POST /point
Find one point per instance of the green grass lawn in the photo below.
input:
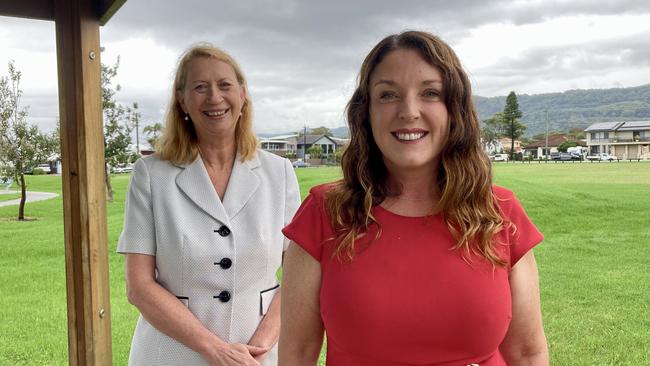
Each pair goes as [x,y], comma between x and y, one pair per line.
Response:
[593,265]
[8,196]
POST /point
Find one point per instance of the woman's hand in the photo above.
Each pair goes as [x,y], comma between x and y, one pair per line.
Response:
[170,316]
[233,355]
[258,353]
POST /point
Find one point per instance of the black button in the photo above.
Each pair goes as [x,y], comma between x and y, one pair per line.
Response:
[225,263]
[224,296]
[223,231]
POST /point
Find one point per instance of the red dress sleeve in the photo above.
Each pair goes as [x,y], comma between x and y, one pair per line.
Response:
[310,227]
[523,235]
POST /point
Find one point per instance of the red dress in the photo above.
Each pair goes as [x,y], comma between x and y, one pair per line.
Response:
[406,298]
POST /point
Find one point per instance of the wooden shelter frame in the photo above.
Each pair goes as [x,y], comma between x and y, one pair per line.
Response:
[77,25]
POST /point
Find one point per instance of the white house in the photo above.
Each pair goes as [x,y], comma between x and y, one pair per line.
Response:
[625,140]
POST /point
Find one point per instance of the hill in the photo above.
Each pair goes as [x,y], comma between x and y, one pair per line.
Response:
[573,108]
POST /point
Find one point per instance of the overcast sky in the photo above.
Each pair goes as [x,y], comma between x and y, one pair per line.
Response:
[301,58]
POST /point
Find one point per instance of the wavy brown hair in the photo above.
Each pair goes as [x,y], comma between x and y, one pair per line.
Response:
[467,203]
[179,142]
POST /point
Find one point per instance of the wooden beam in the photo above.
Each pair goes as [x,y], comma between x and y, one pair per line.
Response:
[44,9]
[108,8]
[82,150]
[33,9]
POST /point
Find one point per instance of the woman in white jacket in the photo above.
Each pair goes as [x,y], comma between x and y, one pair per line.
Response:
[202,226]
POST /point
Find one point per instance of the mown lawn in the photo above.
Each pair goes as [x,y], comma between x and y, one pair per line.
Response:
[593,264]
[8,196]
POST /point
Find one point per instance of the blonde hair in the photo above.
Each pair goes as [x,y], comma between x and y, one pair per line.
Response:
[467,202]
[179,142]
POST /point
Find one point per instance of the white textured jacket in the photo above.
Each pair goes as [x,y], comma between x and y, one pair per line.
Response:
[219,258]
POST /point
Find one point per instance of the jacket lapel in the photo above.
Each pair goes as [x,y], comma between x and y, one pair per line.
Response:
[242,185]
[195,183]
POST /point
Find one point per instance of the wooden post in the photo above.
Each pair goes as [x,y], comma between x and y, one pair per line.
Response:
[82,150]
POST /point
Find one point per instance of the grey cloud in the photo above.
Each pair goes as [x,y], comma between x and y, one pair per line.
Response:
[33,35]
[301,58]
[295,52]
[556,65]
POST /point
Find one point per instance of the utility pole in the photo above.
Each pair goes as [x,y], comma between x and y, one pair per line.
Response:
[136,120]
[546,148]
[304,143]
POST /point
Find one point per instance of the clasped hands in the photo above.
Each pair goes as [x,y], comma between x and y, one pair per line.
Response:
[238,354]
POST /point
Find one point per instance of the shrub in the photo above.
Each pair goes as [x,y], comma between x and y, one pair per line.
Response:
[316,151]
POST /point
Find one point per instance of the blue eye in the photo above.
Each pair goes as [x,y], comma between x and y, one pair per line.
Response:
[387,95]
[431,93]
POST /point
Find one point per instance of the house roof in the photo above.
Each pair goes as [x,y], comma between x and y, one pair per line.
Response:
[604,126]
[281,137]
[340,141]
[311,139]
[553,141]
[290,140]
[619,126]
[636,125]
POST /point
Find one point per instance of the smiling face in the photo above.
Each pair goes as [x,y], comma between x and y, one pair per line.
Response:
[408,116]
[212,97]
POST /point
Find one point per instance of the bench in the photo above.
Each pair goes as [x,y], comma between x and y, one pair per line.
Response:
[6,182]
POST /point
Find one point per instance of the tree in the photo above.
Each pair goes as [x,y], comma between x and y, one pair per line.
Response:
[153,132]
[576,133]
[338,154]
[321,131]
[493,129]
[513,128]
[22,145]
[118,122]
[54,139]
[565,145]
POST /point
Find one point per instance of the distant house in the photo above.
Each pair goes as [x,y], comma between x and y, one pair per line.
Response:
[279,145]
[540,148]
[328,144]
[501,145]
[54,161]
[625,140]
[506,143]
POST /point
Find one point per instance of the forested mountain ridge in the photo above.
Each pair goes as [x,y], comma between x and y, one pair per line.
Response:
[573,108]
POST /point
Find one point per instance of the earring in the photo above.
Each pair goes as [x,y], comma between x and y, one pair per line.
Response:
[187,118]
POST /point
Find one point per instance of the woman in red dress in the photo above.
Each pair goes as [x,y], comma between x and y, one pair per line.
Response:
[414,257]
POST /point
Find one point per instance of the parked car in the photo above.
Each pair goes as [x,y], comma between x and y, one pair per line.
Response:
[499,157]
[123,169]
[601,157]
[300,164]
[45,168]
[564,156]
